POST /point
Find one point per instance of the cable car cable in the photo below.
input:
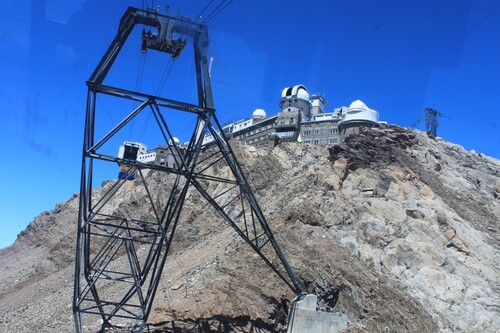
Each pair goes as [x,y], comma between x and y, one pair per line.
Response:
[204,9]
[212,15]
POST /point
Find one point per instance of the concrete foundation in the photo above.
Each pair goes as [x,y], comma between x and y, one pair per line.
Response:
[305,319]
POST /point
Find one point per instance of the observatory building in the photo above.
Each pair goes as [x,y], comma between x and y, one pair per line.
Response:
[295,108]
[356,116]
[303,118]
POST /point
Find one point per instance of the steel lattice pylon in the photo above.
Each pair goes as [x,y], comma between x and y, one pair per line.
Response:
[129,252]
[431,122]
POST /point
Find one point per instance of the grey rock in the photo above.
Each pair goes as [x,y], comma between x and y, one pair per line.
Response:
[404,229]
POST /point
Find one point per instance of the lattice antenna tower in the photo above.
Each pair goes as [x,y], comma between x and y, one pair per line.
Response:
[431,121]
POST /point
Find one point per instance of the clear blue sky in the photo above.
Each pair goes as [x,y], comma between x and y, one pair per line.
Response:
[398,56]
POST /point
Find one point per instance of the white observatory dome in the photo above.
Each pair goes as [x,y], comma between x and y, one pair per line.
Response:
[176,140]
[259,113]
[358,112]
[358,105]
[299,91]
[285,91]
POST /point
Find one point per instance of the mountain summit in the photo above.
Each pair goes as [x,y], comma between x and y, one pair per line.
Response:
[396,229]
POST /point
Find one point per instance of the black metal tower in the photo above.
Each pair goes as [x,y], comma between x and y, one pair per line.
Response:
[431,122]
[128,252]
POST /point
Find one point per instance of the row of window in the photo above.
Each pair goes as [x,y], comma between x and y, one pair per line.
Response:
[260,138]
[308,124]
[317,131]
[324,141]
[258,130]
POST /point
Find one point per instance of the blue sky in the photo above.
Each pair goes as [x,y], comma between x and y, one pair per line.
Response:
[397,56]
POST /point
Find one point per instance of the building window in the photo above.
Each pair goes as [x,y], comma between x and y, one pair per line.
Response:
[316,132]
[332,140]
[307,132]
[316,142]
[333,131]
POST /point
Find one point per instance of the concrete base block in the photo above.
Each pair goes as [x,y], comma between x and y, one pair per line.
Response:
[305,319]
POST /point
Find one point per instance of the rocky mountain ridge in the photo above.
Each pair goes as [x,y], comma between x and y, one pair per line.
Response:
[398,230]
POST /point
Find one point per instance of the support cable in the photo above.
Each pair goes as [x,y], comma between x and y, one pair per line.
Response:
[140,71]
[111,121]
[138,84]
[217,11]
[165,76]
[204,9]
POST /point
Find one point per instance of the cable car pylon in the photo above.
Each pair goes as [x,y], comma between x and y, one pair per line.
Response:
[115,247]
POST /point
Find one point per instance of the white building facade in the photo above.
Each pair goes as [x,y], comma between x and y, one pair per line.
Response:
[303,118]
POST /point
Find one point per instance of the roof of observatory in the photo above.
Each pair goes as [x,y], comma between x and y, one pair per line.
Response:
[299,91]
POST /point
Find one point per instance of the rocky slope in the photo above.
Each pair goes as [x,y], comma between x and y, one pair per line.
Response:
[398,230]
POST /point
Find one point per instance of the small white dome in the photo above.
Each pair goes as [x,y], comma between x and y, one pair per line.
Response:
[259,113]
[358,112]
[176,140]
[358,105]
